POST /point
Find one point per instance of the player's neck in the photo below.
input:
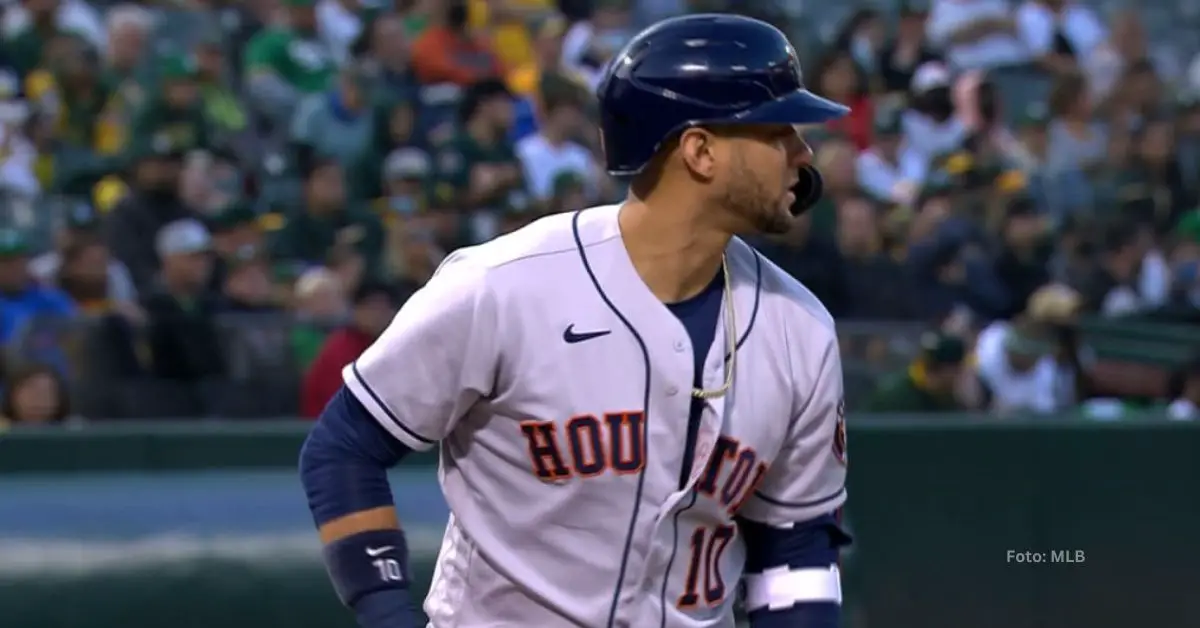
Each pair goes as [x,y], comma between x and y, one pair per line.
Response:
[676,254]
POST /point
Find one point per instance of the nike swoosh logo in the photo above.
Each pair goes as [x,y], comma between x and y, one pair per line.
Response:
[376,551]
[570,336]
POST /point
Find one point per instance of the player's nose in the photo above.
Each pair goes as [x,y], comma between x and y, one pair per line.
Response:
[799,152]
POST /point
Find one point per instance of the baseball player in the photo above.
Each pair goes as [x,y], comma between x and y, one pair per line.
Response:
[635,411]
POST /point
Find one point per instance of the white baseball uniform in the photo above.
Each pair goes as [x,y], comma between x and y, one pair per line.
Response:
[557,387]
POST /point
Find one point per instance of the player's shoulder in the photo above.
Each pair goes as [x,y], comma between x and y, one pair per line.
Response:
[542,243]
[788,300]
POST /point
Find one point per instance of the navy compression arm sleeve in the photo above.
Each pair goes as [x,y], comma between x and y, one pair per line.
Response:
[808,548]
[345,459]
[343,466]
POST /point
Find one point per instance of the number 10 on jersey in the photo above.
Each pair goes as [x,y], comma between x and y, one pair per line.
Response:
[703,582]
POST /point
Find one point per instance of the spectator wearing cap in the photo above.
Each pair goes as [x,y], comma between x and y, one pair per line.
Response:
[21,297]
[1017,366]
[554,149]
[222,105]
[899,59]
[83,223]
[890,171]
[151,203]
[247,286]
[405,171]
[173,119]
[327,221]
[448,52]
[479,170]
[27,27]
[182,334]
[569,192]
[339,124]
[286,61]
[1026,247]
[238,233]
[129,28]
[928,384]
[932,124]
[374,305]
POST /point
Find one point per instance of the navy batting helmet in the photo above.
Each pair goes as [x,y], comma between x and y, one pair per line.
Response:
[697,69]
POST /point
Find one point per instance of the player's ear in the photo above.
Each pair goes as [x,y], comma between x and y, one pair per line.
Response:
[698,150]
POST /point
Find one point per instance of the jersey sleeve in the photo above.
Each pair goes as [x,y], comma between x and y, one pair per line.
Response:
[808,477]
[436,359]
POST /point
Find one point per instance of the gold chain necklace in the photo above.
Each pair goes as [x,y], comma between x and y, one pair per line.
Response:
[730,341]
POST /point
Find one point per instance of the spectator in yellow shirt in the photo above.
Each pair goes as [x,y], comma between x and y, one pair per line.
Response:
[505,22]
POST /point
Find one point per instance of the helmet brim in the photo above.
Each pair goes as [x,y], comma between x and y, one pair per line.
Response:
[798,107]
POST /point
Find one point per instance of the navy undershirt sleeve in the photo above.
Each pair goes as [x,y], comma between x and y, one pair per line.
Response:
[811,544]
[344,461]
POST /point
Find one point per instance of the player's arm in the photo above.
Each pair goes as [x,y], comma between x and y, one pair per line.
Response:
[790,523]
[405,393]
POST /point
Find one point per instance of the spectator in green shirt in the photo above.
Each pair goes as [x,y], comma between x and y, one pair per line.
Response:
[928,384]
[283,63]
[326,220]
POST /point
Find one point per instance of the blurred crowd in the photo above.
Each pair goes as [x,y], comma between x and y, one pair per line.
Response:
[208,207]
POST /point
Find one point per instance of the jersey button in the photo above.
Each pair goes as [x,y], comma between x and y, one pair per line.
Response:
[679,346]
[672,391]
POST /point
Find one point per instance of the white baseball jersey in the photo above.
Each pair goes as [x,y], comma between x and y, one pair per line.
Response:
[557,387]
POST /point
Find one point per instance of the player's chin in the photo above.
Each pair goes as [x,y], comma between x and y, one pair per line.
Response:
[779,221]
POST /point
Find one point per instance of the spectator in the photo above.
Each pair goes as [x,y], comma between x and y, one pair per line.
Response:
[339,25]
[18,153]
[35,395]
[320,306]
[1017,367]
[811,257]
[547,33]
[839,78]
[405,202]
[863,36]
[173,119]
[247,287]
[182,332]
[327,219]
[1075,142]
[908,50]
[1111,287]
[479,169]
[553,149]
[152,202]
[928,384]
[875,286]
[21,298]
[83,223]
[374,306]
[975,34]
[223,109]
[890,171]
[338,125]
[285,62]
[933,124]
[590,43]
[29,25]
[447,52]
[1026,247]
[1058,33]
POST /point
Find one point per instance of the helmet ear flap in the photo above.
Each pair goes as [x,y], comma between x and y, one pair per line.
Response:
[808,190]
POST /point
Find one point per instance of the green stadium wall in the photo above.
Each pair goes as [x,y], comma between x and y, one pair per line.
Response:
[203,525]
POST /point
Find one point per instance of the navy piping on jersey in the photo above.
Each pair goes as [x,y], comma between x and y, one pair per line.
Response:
[816,502]
[612,613]
[379,402]
[662,598]
[641,483]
